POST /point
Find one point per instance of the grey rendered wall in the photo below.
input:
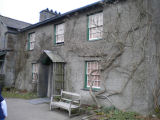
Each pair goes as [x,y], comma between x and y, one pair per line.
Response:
[8,42]
[127,43]
[152,50]
[127,31]
[3,29]
[10,59]
[25,58]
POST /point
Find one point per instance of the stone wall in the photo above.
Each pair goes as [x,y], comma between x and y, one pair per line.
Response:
[10,59]
[2,35]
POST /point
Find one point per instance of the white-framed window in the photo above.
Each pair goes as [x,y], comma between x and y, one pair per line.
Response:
[95,26]
[92,73]
[31,41]
[35,68]
[59,33]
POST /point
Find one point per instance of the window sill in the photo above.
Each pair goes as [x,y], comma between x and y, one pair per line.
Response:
[95,39]
[93,89]
[30,50]
[59,44]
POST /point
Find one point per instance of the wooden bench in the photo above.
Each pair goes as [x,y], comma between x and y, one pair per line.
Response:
[68,101]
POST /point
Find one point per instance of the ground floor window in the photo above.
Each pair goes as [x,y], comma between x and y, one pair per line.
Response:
[35,68]
[92,74]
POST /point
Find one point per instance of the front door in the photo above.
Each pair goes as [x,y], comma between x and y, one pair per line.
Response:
[55,79]
[58,80]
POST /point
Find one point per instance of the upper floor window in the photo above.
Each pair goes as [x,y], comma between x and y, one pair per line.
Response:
[95,26]
[31,41]
[59,33]
[92,74]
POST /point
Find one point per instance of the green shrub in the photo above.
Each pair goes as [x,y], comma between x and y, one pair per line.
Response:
[112,113]
[13,93]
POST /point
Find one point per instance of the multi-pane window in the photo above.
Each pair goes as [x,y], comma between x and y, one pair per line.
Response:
[35,68]
[93,74]
[31,41]
[59,33]
[95,26]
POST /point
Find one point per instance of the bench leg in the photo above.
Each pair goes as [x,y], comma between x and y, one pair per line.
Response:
[50,107]
[69,112]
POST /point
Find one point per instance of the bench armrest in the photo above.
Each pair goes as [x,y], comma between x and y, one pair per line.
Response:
[54,96]
[77,101]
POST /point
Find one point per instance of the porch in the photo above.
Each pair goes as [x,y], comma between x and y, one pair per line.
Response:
[51,74]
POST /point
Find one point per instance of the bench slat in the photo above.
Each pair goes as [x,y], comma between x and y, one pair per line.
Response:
[70,93]
[64,105]
[69,100]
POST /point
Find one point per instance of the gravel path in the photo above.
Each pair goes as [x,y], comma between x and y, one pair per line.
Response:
[19,109]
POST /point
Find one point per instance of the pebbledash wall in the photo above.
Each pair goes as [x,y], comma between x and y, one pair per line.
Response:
[128,52]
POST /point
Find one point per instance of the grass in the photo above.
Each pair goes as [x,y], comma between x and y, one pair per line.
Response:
[13,93]
[119,115]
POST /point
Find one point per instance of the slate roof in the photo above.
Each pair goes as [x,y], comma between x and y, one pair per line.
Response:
[12,23]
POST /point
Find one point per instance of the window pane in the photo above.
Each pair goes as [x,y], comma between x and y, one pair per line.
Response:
[35,68]
[59,38]
[31,41]
[60,33]
[95,76]
[32,45]
[32,37]
[95,26]
[96,32]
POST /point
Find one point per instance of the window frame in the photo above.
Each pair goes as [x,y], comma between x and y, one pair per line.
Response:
[86,86]
[89,28]
[55,33]
[29,41]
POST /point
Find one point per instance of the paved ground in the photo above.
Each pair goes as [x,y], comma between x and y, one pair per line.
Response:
[19,109]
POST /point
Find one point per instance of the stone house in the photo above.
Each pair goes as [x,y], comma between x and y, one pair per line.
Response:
[9,29]
[114,43]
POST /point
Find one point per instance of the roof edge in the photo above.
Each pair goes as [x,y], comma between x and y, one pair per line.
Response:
[62,15]
[100,2]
